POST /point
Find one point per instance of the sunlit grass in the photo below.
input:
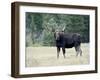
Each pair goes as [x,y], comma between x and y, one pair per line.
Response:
[47,56]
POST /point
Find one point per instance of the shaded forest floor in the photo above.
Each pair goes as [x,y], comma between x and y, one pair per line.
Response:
[47,56]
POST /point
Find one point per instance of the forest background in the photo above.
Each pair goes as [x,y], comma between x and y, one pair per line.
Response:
[39,27]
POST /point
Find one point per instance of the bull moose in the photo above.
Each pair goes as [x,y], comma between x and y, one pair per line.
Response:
[67,40]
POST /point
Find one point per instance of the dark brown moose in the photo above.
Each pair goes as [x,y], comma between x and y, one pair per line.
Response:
[67,40]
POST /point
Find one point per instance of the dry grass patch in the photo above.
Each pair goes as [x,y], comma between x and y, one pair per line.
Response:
[47,56]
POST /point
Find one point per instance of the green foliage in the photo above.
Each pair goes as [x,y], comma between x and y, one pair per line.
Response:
[48,39]
[40,27]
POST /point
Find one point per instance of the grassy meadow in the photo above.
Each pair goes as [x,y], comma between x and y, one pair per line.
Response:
[47,56]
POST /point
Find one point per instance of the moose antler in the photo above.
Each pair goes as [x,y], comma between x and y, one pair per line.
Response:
[63,28]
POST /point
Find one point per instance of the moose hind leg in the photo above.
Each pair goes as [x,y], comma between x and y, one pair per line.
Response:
[63,49]
[80,51]
[58,51]
[77,48]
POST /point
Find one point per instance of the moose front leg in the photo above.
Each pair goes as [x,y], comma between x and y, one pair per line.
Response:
[58,51]
[63,49]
